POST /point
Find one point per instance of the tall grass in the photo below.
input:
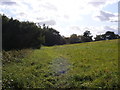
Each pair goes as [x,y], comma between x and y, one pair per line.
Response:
[85,65]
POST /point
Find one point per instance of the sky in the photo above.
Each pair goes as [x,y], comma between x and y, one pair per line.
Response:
[66,16]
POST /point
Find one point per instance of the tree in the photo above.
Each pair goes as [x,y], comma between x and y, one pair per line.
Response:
[67,40]
[19,35]
[87,37]
[100,37]
[86,33]
[52,37]
[107,36]
[74,39]
[110,35]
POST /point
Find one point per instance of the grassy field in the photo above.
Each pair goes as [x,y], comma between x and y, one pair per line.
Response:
[84,65]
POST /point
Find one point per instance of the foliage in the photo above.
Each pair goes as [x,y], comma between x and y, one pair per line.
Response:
[14,55]
[86,65]
[107,36]
[19,35]
[74,39]
[52,37]
[87,36]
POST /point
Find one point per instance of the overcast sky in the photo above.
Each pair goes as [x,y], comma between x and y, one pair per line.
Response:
[66,16]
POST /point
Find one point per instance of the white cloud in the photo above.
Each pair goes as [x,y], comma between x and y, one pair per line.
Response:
[107,16]
[50,22]
[97,4]
[79,30]
[111,28]
[62,14]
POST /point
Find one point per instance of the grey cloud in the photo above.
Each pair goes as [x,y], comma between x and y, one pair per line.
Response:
[66,16]
[108,28]
[5,0]
[105,16]
[28,5]
[8,2]
[115,20]
[50,22]
[75,28]
[41,18]
[49,6]
[96,4]
[22,14]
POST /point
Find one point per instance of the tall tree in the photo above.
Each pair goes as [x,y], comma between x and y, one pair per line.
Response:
[19,35]
[107,36]
[74,39]
[52,37]
[87,37]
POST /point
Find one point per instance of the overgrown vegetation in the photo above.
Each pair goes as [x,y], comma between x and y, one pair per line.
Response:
[14,55]
[85,65]
[21,35]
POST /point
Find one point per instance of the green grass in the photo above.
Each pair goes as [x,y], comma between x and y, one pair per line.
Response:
[84,65]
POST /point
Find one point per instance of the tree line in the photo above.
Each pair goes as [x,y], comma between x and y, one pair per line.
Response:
[20,35]
[87,37]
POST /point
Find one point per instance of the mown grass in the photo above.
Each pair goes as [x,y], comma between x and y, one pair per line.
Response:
[88,65]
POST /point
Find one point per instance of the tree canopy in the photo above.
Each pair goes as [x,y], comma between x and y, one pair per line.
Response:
[107,36]
[19,35]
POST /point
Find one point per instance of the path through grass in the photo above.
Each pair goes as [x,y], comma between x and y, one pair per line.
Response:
[85,65]
[60,67]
